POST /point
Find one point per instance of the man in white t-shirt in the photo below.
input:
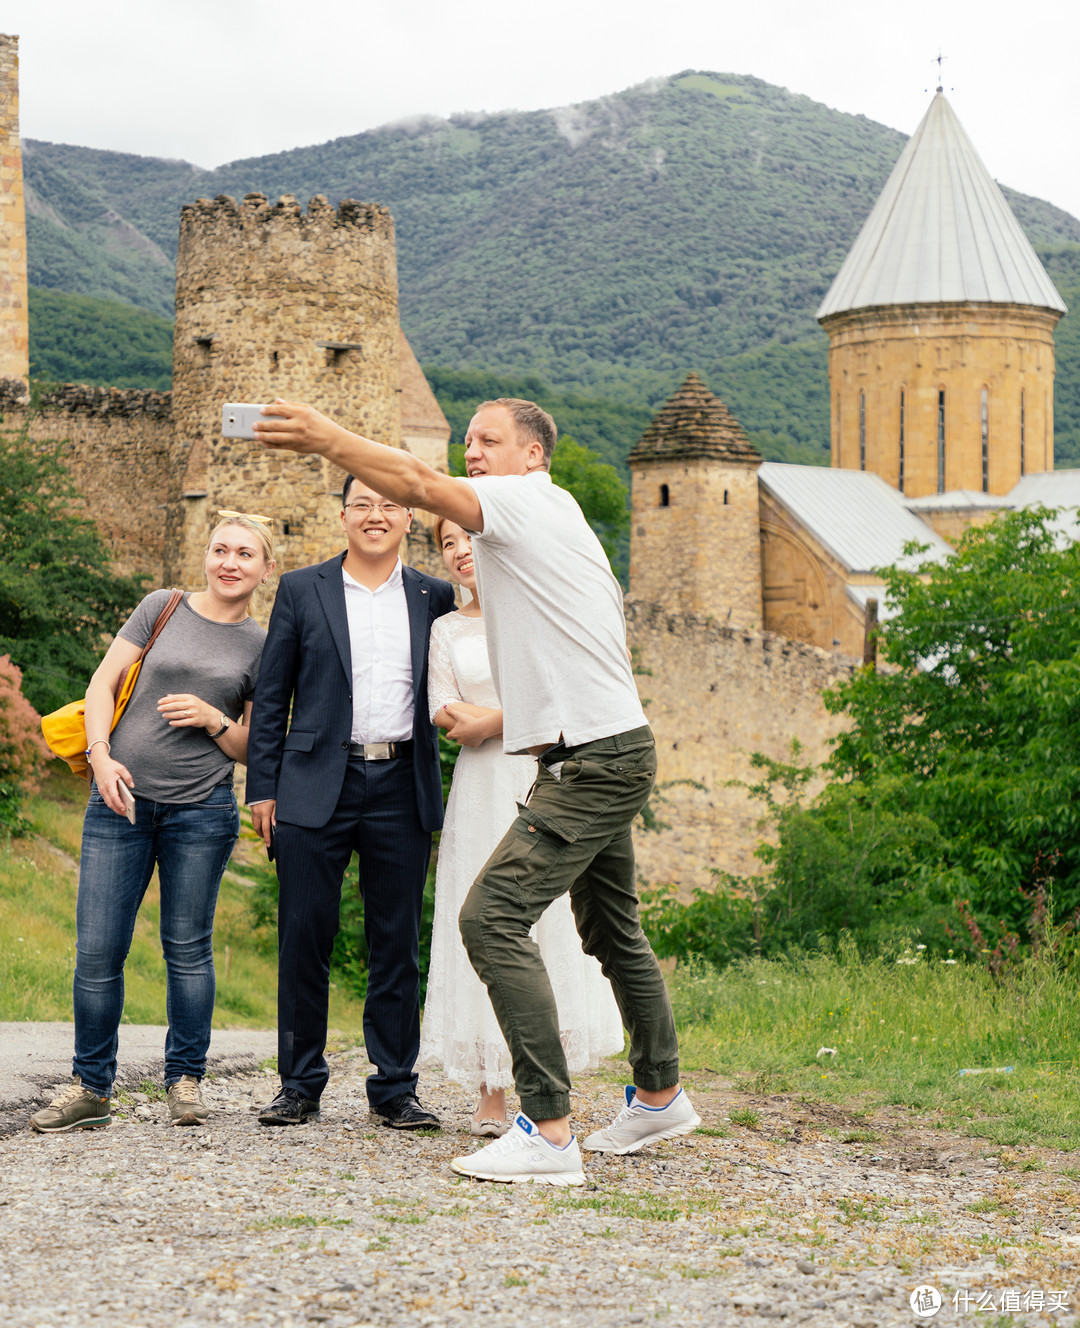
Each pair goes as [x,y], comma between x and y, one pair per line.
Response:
[557,642]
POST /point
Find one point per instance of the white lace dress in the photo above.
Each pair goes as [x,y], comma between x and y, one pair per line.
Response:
[460,1031]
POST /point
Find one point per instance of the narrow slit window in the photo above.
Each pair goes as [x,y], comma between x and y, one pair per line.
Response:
[941,440]
[665,496]
[725,497]
[984,434]
[900,469]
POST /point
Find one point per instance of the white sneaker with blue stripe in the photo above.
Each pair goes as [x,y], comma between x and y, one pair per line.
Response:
[523,1154]
[637,1125]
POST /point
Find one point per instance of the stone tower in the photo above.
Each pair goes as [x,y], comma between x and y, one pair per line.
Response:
[695,541]
[14,321]
[272,302]
[940,323]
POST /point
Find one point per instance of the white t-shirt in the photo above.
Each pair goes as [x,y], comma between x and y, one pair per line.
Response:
[554,614]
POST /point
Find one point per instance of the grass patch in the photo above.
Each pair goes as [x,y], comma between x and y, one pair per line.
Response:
[746,1117]
[902,1033]
[294,1221]
[38,889]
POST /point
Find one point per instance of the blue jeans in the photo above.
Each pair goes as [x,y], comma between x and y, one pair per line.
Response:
[190,844]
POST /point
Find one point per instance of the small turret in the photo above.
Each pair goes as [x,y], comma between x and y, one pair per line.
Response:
[694,541]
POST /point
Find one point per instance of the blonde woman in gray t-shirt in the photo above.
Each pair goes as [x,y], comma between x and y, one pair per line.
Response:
[174,750]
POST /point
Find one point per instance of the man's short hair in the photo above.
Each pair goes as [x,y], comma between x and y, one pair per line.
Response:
[532,422]
[345,489]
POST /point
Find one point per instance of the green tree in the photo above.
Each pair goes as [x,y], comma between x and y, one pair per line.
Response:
[973,721]
[59,600]
[599,491]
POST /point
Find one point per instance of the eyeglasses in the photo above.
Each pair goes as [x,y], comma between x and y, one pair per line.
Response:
[363,507]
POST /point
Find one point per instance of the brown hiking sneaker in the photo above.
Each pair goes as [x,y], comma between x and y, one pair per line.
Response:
[76,1108]
[186,1105]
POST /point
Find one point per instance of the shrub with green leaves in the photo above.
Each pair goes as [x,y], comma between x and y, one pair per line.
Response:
[23,753]
[59,600]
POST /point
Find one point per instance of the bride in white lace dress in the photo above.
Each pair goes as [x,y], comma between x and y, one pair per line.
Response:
[460,1030]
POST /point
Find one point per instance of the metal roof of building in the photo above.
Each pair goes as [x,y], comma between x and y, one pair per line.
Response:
[853,514]
[1052,488]
[941,230]
[957,498]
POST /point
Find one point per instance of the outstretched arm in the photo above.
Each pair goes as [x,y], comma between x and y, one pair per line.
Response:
[391,471]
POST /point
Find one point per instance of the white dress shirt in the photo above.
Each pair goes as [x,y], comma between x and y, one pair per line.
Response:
[381,649]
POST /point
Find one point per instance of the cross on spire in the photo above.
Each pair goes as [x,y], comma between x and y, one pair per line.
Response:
[939,60]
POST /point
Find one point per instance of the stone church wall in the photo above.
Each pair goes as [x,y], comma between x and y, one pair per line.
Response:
[714,695]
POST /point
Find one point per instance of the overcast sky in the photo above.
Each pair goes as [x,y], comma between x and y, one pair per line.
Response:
[211,81]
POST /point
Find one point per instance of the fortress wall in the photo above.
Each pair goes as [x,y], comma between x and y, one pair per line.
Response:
[118,445]
[713,695]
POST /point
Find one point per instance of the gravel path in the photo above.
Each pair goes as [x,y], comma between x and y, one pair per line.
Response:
[812,1216]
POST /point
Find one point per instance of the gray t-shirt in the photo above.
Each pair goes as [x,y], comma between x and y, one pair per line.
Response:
[217,662]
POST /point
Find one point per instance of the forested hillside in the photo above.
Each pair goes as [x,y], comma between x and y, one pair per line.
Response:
[604,249]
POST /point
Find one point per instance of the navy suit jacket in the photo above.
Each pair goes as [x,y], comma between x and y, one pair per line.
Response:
[300,760]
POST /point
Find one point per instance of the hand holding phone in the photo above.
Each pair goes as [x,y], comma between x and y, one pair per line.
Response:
[127,798]
[238,418]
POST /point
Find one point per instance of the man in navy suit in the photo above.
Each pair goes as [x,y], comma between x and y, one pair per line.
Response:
[342,756]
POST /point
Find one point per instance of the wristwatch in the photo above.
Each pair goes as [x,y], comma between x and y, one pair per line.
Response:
[226,723]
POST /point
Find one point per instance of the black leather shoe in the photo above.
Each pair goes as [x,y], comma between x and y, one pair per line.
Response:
[404,1112]
[290,1107]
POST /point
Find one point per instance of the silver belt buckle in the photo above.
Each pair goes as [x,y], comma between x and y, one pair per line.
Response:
[377,751]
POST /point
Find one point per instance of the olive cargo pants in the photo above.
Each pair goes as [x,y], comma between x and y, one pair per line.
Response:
[572,835]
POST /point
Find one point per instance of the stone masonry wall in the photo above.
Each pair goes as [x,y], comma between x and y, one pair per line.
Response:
[14,318]
[714,695]
[700,552]
[118,446]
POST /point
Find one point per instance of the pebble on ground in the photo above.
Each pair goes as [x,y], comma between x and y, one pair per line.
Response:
[802,1215]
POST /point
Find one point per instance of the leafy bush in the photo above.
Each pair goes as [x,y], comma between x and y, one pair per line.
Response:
[59,600]
[23,753]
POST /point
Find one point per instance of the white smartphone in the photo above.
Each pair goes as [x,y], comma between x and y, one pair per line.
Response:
[238,417]
[127,799]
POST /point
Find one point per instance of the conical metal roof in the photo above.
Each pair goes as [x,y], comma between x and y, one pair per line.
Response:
[940,231]
[694,423]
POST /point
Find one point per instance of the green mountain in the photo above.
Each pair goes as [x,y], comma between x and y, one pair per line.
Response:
[80,339]
[603,249]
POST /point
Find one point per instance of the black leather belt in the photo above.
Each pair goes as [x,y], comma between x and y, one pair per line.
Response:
[380,751]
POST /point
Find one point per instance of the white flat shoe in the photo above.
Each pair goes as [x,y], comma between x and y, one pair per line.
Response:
[488,1128]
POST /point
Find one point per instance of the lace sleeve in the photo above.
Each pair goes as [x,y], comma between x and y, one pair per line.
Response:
[442,684]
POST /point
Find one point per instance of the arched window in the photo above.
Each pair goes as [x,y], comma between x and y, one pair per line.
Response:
[665,496]
[862,430]
[941,440]
[900,469]
[984,435]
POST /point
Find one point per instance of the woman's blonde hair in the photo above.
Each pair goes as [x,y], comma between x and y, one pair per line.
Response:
[258,526]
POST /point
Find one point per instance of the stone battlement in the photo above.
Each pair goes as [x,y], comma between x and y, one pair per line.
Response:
[256,209]
[79,398]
